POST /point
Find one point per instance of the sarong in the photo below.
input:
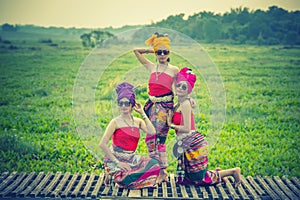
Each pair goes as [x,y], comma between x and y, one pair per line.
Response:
[193,162]
[157,113]
[143,173]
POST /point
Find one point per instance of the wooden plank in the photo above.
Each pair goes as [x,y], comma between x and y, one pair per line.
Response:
[276,188]
[243,193]
[204,192]
[284,188]
[145,192]
[3,176]
[24,184]
[32,185]
[67,190]
[296,181]
[249,188]
[79,185]
[50,187]
[88,185]
[292,186]
[183,191]
[115,190]
[106,190]
[257,188]
[134,193]
[173,186]
[222,192]
[230,188]
[7,180]
[213,192]
[267,188]
[164,189]
[155,192]
[41,185]
[194,192]
[61,184]
[98,185]
[13,185]
[125,192]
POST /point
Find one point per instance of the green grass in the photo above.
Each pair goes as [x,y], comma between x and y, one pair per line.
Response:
[38,132]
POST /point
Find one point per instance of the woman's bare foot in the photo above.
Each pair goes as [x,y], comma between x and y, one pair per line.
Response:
[237,177]
[163,176]
[224,179]
[107,179]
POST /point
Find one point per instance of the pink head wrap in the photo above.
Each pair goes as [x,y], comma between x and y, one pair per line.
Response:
[125,89]
[186,74]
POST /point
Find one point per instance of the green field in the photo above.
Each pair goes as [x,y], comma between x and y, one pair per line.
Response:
[38,131]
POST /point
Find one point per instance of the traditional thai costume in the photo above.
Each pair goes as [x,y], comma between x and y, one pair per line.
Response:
[192,151]
[157,107]
[144,171]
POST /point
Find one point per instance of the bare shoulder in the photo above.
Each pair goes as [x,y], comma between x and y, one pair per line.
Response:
[174,68]
[186,104]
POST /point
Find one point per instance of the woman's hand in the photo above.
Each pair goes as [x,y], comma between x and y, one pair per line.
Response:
[138,108]
[193,103]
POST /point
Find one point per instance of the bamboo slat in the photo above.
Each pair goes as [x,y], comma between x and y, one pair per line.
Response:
[85,186]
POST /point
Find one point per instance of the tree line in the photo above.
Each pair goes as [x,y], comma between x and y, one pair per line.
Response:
[240,25]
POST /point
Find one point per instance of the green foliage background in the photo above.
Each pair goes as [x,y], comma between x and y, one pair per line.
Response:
[38,132]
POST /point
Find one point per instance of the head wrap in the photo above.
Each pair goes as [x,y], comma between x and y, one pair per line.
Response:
[186,74]
[125,89]
[157,40]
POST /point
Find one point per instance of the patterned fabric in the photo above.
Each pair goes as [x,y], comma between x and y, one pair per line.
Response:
[143,172]
[157,113]
[160,86]
[193,162]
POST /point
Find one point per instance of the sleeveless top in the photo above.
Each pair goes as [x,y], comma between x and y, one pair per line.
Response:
[126,137]
[160,87]
[178,120]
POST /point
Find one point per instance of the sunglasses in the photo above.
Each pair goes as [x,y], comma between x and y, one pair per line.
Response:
[162,52]
[181,85]
[124,103]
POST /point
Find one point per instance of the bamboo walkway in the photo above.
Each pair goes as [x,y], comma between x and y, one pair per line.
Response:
[90,186]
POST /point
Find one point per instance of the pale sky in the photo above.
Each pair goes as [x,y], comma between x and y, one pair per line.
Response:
[117,13]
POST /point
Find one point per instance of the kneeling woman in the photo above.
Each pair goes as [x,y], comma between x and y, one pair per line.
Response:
[126,168]
[192,147]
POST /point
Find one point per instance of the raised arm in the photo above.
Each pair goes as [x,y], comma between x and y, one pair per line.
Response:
[144,61]
[145,124]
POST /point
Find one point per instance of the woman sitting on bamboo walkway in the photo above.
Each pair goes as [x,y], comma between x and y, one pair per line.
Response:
[121,163]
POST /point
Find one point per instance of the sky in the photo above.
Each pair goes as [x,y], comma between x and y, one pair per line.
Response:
[118,13]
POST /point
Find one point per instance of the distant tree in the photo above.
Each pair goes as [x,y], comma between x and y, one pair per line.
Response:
[212,29]
[85,38]
[95,37]
[240,25]
[9,28]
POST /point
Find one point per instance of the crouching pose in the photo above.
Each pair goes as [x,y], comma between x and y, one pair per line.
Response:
[191,148]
